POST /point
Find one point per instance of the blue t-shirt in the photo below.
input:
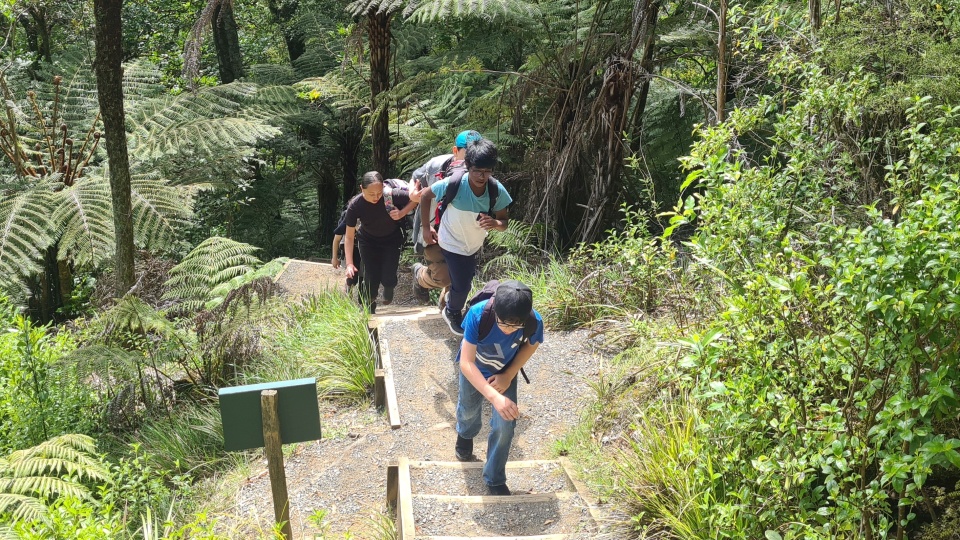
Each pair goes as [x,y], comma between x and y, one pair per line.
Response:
[459,231]
[497,350]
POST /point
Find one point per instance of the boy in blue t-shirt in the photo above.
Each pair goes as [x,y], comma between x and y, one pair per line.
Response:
[465,224]
[488,370]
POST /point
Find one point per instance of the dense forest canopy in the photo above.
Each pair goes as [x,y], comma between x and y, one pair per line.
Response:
[769,187]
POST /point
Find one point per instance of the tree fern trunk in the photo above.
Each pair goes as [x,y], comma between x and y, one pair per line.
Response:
[283,12]
[109,37]
[226,41]
[379,34]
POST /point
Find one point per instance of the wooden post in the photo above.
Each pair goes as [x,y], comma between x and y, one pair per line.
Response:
[393,484]
[273,449]
[379,388]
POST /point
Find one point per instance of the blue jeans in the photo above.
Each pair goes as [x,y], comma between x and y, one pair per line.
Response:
[469,408]
[461,268]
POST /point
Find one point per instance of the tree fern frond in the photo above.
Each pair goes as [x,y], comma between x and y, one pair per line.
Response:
[437,10]
[213,262]
[21,507]
[362,7]
[85,211]
[340,91]
[58,466]
[103,361]
[25,231]
[133,314]
[272,74]
[197,124]
[158,211]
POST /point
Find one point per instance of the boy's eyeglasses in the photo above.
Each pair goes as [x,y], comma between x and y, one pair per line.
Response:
[515,326]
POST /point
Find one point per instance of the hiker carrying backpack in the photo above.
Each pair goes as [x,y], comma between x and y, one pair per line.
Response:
[488,316]
[488,374]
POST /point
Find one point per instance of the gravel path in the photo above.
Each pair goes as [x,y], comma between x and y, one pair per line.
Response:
[344,474]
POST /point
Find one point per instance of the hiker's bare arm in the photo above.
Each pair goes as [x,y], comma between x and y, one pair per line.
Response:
[398,214]
[501,381]
[498,221]
[348,251]
[427,232]
[468,366]
[334,249]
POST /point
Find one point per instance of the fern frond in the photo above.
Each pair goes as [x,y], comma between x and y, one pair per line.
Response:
[85,211]
[341,91]
[197,125]
[159,210]
[133,314]
[215,261]
[25,231]
[21,507]
[362,7]
[104,361]
[30,477]
[501,10]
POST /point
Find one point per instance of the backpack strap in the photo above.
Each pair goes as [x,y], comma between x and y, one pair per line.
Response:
[493,188]
[453,186]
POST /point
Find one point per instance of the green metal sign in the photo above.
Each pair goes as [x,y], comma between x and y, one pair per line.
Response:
[243,422]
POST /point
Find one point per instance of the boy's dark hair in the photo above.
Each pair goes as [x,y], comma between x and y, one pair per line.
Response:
[514,300]
[372,177]
[482,154]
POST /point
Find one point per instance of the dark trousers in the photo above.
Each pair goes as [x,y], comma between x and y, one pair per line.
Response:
[381,257]
[462,268]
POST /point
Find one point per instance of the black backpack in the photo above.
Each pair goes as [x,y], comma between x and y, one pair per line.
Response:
[488,317]
[453,186]
[390,186]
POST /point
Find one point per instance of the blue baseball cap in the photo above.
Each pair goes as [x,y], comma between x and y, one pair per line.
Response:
[466,137]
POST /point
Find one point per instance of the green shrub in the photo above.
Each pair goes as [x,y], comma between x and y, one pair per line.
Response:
[325,337]
[40,395]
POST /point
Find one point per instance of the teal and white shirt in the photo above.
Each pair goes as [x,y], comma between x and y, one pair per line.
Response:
[460,232]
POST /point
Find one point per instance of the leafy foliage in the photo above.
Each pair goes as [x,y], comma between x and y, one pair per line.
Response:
[213,263]
[57,467]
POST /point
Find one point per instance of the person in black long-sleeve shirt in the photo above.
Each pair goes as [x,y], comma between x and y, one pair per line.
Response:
[380,238]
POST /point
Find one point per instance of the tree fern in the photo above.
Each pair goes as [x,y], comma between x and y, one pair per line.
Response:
[488,9]
[25,231]
[58,467]
[214,262]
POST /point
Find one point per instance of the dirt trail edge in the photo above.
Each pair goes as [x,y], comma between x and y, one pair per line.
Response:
[342,477]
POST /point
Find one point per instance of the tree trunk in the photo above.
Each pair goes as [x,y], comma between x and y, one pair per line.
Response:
[722,63]
[227,42]
[379,33]
[814,7]
[109,38]
[283,12]
[649,35]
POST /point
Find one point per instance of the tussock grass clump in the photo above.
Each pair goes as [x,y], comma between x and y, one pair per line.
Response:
[324,337]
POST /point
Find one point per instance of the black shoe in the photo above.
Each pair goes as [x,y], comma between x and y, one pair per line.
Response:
[454,321]
[422,294]
[499,490]
[387,296]
[464,449]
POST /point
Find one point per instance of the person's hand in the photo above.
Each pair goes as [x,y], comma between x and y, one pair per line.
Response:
[396,215]
[351,270]
[488,223]
[506,408]
[429,235]
[499,382]
[335,262]
[415,191]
